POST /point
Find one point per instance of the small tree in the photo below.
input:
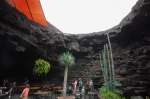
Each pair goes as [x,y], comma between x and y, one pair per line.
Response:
[66,59]
[41,67]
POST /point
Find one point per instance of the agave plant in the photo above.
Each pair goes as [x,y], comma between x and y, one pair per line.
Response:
[67,60]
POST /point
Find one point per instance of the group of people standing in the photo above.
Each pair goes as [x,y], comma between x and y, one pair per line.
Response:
[81,87]
[10,89]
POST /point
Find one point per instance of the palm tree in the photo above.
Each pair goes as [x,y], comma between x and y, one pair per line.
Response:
[67,60]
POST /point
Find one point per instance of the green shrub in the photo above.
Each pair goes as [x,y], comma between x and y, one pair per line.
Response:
[41,67]
[105,93]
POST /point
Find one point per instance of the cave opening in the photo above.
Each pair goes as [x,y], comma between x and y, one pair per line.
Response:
[86,16]
[15,64]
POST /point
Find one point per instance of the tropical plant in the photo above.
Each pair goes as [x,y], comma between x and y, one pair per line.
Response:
[67,60]
[41,67]
[106,93]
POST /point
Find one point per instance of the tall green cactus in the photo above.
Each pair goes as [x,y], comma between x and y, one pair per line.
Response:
[109,67]
[102,67]
[105,64]
[111,57]
[108,70]
[109,62]
[106,67]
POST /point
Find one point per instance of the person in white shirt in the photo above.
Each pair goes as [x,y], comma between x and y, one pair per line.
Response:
[74,86]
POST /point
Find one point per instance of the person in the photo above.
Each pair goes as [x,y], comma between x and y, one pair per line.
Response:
[87,88]
[6,83]
[1,91]
[69,89]
[83,90]
[12,89]
[74,86]
[91,85]
[25,92]
[80,84]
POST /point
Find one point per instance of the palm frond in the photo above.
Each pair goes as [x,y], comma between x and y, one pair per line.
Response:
[67,59]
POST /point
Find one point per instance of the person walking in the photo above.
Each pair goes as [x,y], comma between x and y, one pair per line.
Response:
[25,92]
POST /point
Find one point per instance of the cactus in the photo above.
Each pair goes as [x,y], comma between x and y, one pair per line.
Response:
[111,57]
[102,67]
[105,64]
[107,68]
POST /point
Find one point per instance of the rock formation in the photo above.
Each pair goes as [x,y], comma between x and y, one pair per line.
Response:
[22,42]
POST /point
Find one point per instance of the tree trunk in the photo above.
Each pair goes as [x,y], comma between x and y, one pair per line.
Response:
[65,82]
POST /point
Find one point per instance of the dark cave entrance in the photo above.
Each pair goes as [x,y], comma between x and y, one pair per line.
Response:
[15,64]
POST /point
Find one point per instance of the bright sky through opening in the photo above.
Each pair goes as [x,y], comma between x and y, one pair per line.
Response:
[86,16]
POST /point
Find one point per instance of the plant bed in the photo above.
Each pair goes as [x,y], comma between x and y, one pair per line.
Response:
[67,97]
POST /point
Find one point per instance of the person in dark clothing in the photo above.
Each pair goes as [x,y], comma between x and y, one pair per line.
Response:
[12,89]
[80,84]
[5,83]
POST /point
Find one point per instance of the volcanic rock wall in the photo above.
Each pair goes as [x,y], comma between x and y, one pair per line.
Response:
[131,47]
[22,41]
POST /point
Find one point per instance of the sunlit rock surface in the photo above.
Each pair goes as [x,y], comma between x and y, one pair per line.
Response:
[22,42]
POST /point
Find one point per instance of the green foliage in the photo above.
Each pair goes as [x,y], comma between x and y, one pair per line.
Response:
[111,87]
[67,59]
[41,67]
[107,68]
[105,93]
